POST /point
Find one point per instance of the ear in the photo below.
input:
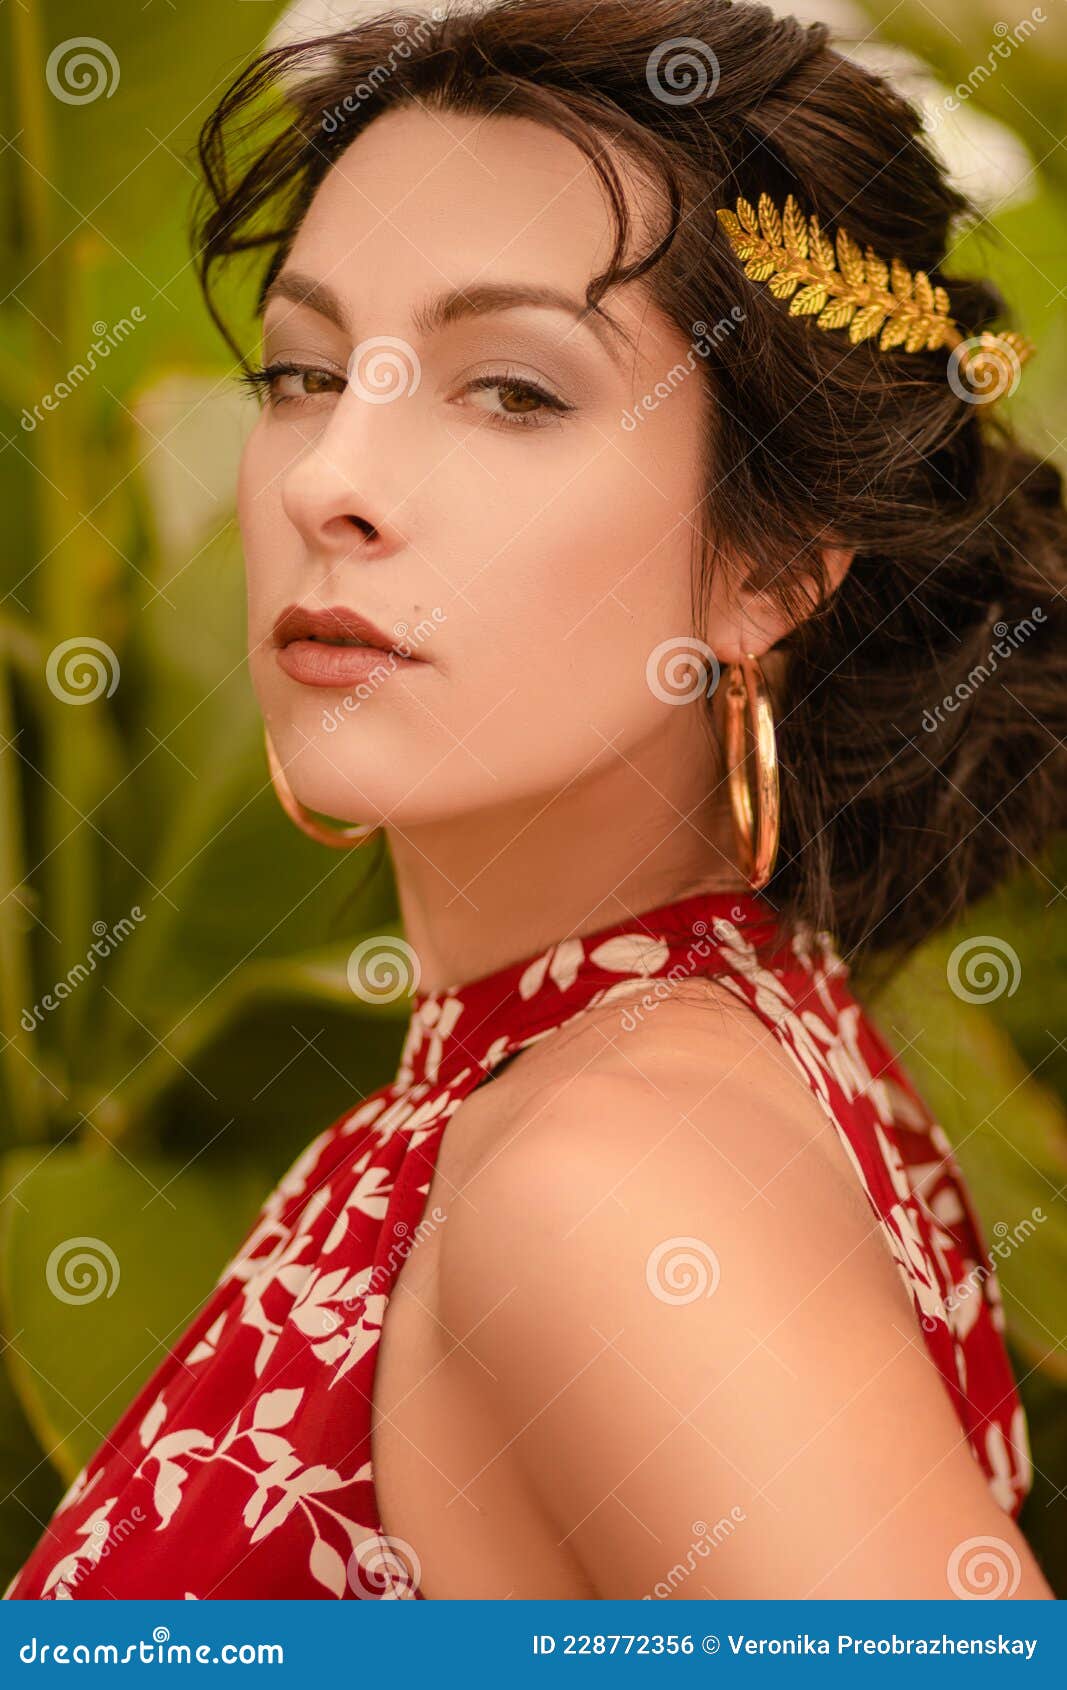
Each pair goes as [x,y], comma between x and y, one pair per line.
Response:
[742,623]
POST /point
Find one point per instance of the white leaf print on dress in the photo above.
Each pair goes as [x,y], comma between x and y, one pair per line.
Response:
[340,1331]
[773,999]
[362,1116]
[276,1408]
[963,1309]
[80,1486]
[621,989]
[362,1329]
[328,1567]
[282,1266]
[846,1061]
[1005,1472]
[206,1346]
[301,1486]
[631,953]
[915,1260]
[152,1421]
[560,964]
[398,1114]
[68,1565]
[298,1488]
[437,1017]
[171,1475]
[370,1196]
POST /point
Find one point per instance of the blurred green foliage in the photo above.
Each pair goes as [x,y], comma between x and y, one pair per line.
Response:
[158,1102]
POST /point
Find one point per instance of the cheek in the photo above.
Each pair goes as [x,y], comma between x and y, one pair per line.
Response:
[592,572]
[260,519]
[251,475]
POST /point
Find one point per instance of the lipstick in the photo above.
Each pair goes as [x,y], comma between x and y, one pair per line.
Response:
[335,647]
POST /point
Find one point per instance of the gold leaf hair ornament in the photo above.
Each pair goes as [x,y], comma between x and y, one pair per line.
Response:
[851,287]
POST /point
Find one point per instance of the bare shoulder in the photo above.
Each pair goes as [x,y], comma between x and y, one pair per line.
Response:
[624,1133]
[682,1086]
[672,1294]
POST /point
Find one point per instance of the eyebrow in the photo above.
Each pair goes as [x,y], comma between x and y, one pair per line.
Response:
[478,300]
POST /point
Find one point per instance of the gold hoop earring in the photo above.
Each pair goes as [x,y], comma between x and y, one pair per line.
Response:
[340,838]
[746,693]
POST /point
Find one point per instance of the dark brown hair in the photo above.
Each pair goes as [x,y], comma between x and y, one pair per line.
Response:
[921,719]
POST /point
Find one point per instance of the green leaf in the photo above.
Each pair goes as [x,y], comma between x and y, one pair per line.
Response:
[269,1060]
[30,1486]
[159,1236]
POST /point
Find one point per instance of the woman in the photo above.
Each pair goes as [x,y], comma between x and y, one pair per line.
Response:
[583,560]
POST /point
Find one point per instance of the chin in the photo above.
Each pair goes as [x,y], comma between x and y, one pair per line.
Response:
[322,780]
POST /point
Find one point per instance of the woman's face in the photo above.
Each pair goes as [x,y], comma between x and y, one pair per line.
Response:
[480,489]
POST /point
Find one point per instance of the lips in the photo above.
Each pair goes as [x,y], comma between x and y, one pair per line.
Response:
[335,647]
[336,625]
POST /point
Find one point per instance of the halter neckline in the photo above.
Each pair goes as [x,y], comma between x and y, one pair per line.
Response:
[480,1021]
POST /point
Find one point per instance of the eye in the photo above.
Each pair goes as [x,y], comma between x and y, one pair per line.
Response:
[523,403]
[305,382]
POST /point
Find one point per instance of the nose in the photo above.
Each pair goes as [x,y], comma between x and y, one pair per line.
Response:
[334,492]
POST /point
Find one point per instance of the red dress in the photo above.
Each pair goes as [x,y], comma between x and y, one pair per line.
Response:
[243,1466]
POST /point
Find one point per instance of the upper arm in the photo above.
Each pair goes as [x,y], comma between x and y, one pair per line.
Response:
[700,1350]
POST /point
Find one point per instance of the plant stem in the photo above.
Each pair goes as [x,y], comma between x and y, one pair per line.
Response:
[66,543]
[21,1096]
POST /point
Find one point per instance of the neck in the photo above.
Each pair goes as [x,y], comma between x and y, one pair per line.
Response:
[483,889]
